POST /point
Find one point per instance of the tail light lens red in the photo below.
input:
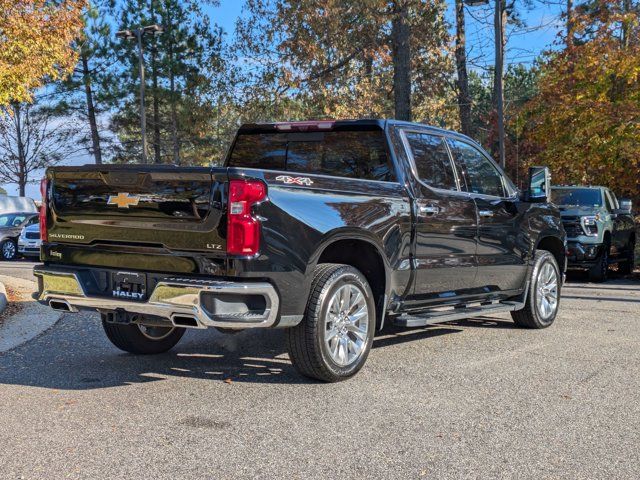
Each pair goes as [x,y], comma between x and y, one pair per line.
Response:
[44,190]
[243,231]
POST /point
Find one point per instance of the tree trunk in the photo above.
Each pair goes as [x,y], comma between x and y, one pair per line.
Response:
[498,80]
[569,23]
[22,161]
[91,111]
[175,140]
[156,108]
[464,99]
[400,38]
[626,26]
[156,102]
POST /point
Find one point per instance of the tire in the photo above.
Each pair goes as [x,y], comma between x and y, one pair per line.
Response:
[600,271]
[317,353]
[626,267]
[533,315]
[8,250]
[133,338]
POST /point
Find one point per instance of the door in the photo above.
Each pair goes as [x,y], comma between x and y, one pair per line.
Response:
[446,227]
[622,225]
[503,245]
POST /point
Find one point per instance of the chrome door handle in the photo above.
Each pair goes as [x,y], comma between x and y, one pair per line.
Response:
[485,213]
[429,209]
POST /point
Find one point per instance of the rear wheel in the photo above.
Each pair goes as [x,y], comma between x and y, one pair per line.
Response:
[543,297]
[600,271]
[333,340]
[8,250]
[141,339]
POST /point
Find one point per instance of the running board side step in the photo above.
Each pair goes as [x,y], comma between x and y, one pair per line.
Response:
[457,313]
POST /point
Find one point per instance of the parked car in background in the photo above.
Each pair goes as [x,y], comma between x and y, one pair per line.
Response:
[29,242]
[11,225]
[600,229]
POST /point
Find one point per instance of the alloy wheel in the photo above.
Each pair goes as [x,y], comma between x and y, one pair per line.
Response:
[547,291]
[346,325]
[8,250]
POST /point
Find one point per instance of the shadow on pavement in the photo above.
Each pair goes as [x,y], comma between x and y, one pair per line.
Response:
[75,355]
[486,322]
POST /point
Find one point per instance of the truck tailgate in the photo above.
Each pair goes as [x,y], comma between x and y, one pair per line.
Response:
[155,209]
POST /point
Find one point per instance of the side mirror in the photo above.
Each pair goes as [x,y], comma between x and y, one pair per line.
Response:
[626,207]
[539,190]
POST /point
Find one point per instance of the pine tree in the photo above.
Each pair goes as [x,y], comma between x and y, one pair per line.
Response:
[185,68]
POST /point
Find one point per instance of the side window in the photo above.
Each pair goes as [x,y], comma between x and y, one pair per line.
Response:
[481,175]
[614,200]
[611,206]
[18,220]
[432,160]
[34,220]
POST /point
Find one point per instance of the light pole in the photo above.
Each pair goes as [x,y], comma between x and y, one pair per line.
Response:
[137,34]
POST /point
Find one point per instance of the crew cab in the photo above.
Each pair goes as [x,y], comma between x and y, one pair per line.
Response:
[329,230]
[600,230]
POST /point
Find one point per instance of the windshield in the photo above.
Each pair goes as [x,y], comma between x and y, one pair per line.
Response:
[12,220]
[579,197]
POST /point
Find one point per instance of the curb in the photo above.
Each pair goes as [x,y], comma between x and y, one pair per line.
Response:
[30,322]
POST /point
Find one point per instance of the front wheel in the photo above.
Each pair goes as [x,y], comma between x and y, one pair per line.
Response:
[600,271]
[333,340]
[543,297]
[141,339]
[8,250]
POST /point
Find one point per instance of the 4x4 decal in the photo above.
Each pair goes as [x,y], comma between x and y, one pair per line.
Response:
[294,180]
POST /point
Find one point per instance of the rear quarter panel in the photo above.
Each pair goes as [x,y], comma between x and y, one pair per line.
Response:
[300,221]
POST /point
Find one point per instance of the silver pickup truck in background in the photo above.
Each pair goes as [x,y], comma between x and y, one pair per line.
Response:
[600,230]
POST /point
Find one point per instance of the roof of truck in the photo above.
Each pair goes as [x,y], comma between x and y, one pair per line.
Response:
[328,125]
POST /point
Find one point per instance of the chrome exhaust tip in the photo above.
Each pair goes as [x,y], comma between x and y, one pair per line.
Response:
[185,321]
[60,306]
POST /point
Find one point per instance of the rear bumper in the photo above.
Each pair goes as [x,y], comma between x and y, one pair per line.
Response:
[181,301]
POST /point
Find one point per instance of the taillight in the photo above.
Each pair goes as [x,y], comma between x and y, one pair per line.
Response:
[243,231]
[44,190]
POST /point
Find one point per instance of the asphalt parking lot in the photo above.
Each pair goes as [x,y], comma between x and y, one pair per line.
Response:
[469,399]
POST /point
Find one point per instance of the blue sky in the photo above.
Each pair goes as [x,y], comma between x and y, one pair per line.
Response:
[524,45]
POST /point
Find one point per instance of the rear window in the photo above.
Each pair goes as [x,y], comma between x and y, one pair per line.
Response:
[351,154]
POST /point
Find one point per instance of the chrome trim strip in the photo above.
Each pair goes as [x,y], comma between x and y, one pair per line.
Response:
[170,298]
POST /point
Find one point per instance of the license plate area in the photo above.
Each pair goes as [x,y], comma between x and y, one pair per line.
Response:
[130,286]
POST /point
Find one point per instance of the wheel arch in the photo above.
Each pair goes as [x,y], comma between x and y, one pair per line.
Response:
[364,253]
[554,244]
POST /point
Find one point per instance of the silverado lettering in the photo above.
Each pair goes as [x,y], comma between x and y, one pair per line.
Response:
[389,222]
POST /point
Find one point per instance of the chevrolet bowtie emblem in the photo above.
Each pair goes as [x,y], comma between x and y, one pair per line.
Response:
[123,200]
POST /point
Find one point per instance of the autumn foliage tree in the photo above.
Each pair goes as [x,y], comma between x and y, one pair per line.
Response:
[585,121]
[331,58]
[35,44]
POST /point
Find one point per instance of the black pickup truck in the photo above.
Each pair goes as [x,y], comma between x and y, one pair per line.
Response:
[326,229]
